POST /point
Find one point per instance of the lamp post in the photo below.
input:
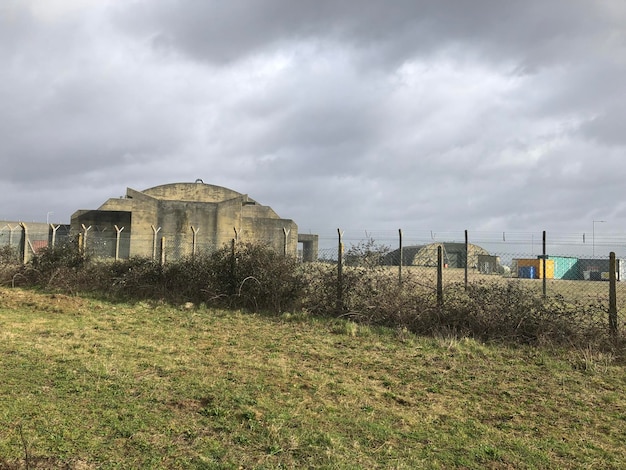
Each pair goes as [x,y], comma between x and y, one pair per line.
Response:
[593,237]
[48,216]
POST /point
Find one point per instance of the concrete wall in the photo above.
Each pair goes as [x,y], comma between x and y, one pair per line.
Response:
[198,192]
[215,214]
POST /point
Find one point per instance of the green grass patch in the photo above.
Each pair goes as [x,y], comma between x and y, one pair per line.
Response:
[90,384]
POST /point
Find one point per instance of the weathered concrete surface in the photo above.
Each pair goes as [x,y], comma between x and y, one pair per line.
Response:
[215,215]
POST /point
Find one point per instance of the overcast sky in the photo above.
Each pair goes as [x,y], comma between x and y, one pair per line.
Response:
[487,115]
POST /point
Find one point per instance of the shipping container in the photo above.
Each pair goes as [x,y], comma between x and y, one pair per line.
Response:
[526,272]
[566,267]
[597,269]
[538,265]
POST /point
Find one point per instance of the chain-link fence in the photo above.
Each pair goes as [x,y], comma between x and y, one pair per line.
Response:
[575,267]
[22,241]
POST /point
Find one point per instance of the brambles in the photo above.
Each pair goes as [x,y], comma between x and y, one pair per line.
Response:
[255,277]
[9,255]
[367,254]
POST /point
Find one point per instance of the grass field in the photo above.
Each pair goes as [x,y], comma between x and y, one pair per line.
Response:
[88,384]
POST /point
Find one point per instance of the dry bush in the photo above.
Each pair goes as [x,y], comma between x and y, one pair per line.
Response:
[506,311]
[134,278]
[9,264]
[373,295]
[59,268]
[512,312]
[256,278]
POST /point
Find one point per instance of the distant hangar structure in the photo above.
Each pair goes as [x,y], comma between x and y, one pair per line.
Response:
[189,216]
[453,254]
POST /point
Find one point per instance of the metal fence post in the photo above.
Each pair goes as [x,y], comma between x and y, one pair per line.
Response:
[118,232]
[339,272]
[155,230]
[11,229]
[400,252]
[612,295]
[233,265]
[84,242]
[52,235]
[24,244]
[285,240]
[439,276]
[194,240]
[543,261]
[466,256]
[162,250]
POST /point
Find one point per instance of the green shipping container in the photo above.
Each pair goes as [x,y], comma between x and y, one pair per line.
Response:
[566,267]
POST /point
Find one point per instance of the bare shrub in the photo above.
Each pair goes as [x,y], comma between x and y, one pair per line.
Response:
[66,255]
[373,295]
[256,277]
[9,264]
[367,253]
[511,312]
[9,255]
[134,278]
[506,312]
[59,267]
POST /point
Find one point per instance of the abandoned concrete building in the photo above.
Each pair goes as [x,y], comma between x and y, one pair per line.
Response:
[181,219]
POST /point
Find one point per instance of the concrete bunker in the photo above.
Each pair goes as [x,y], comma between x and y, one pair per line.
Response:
[186,218]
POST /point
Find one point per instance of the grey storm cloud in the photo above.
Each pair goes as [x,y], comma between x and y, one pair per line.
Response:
[411,113]
[530,34]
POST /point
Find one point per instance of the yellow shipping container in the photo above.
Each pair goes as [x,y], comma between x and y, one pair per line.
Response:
[538,265]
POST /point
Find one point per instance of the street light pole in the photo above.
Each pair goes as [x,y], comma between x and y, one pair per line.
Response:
[593,237]
[48,216]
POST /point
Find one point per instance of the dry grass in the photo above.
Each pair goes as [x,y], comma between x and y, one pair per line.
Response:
[90,384]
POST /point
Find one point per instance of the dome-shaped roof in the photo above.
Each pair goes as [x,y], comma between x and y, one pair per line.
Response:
[195,192]
[426,255]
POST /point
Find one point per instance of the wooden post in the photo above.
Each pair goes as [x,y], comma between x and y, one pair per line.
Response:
[439,276]
[466,257]
[400,252]
[339,272]
[612,295]
[544,263]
